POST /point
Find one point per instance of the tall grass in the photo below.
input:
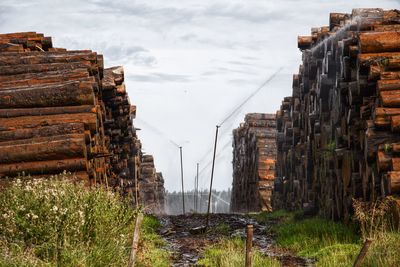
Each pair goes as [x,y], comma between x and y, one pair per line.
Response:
[151,250]
[231,253]
[307,237]
[378,222]
[335,244]
[56,223]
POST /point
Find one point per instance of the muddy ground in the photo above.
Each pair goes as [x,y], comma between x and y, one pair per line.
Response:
[187,244]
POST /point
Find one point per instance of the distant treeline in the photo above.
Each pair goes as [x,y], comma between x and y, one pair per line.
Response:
[220,202]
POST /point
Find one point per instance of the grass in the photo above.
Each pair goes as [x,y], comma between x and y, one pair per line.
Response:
[56,223]
[151,252]
[331,243]
[231,253]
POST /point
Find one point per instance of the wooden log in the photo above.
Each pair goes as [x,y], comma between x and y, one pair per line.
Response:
[64,94]
[45,58]
[388,85]
[388,59]
[45,131]
[43,148]
[390,75]
[31,79]
[304,42]
[44,167]
[390,98]
[395,123]
[88,119]
[336,19]
[378,42]
[19,112]
[395,164]
[393,182]
[384,161]
[38,68]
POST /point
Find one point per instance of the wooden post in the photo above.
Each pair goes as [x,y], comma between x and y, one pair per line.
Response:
[135,241]
[249,244]
[363,253]
[136,185]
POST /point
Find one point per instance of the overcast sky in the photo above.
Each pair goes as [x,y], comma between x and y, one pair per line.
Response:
[187,64]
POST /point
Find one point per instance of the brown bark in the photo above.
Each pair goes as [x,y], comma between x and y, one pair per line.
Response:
[377,42]
[43,148]
[32,79]
[384,161]
[45,58]
[388,85]
[387,59]
[38,68]
[390,98]
[395,164]
[390,75]
[88,119]
[19,112]
[44,167]
[394,182]
[304,42]
[64,94]
[395,123]
[45,131]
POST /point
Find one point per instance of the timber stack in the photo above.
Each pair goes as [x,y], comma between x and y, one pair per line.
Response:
[62,111]
[338,133]
[254,155]
[151,184]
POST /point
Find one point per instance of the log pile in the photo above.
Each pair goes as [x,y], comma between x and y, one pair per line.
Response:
[338,133]
[151,184]
[61,111]
[254,155]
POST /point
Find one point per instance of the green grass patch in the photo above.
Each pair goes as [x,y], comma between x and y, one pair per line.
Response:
[266,216]
[56,223]
[331,243]
[151,250]
[222,229]
[308,236]
[231,253]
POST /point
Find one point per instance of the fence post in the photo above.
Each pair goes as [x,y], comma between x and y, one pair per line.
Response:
[362,253]
[249,244]
[135,241]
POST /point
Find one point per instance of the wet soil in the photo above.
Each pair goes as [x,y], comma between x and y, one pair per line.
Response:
[187,242]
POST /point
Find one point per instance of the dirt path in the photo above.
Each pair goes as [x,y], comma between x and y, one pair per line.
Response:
[187,246]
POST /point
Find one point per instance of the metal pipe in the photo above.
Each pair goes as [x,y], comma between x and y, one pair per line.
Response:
[183,191]
[197,187]
[212,176]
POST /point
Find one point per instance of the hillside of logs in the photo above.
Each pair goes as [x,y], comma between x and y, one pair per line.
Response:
[62,111]
[338,133]
[254,154]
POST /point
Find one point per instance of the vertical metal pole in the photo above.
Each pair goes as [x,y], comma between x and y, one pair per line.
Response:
[212,176]
[197,186]
[183,191]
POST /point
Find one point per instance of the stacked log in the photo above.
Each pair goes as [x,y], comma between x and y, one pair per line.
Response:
[61,111]
[254,155]
[338,132]
[151,184]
